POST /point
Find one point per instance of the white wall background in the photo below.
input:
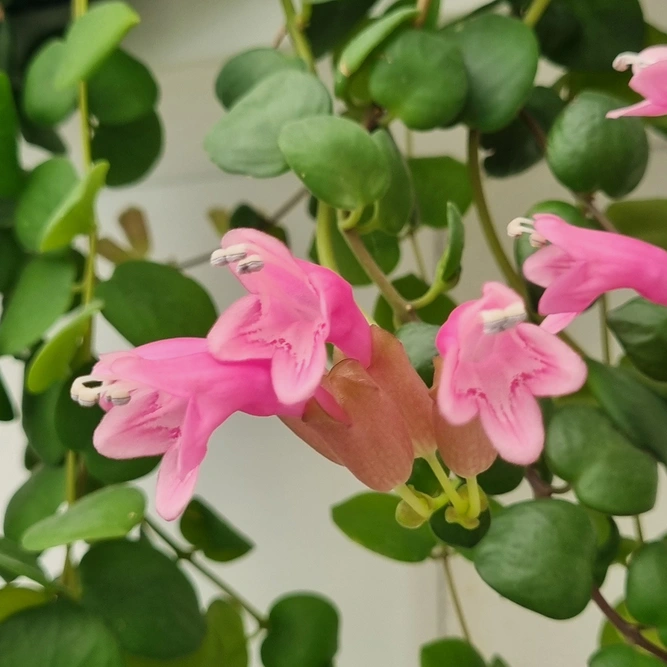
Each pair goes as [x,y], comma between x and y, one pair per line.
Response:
[262,478]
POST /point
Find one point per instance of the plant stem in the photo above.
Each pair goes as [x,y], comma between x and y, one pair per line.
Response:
[474,500]
[352,220]
[447,485]
[422,6]
[188,556]
[485,216]
[535,11]
[418,504]
[299,41]
[604,329]
[639,530]
[456,601]
[324,236]
[631,632]
[419,257]
[402,309]
[290,204]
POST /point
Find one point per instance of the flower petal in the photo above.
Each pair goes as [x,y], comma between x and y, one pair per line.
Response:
[556,323]
[174,490]
[543,267]
[297,371]
[651,82]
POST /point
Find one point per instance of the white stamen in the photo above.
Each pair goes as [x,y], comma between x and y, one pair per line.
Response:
[250,264]
[118,393]
[520,226]
[624,61]
[84,394]
[229,255]
[497,320]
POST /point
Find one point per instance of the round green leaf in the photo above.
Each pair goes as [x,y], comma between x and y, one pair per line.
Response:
[303,630]
[370,520]
[245,70]
[16,562]
[38,415]
[423,479]
[38,498]
[588,152]
[43,293]
[146,302]
[607,472]
[622,656]
[44,103]
[131,150]
[646,585]
[144,597]
[11,174]
[454,652]
[60,634]
[43,137]
[421,79]
[456,535]
[418,339]
[11,259]
[337,160]
[245,141]
[116,471]
[501,477]
[500,56]
[246,216]
[91,39]
[14,599]
[644,219]
[437,181]
[540,554]
[608,540]
[122,90]
[206,530]
[101,515]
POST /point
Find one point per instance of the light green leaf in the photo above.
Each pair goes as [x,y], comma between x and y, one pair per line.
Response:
[450,652]
[14,599]
[622,656]
[449,266]
[15,562]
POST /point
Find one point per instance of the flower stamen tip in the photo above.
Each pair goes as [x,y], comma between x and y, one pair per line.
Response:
[624,61]
[520,226]
[250,264]
[497,320]
[229,255]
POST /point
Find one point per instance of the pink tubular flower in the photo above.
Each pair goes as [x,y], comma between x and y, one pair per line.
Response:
[293,309]
[495,364]
[649,79]
[578,265]
[167,398]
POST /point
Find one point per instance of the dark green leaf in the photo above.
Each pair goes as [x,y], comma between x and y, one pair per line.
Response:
[500,55]
[42,294]
[11,259]
[439,180]
[501,477]
[147,302]
[588,152]
[44,137]
[455,534]
[450,653]
[6,405]
[60,634]
[38,498]
[122,90]
[423,479]
[116,471]
[418,338]
[622,656]
[370,520]
[206,530]
[646,585]
[540,554]
[15,562]
[11,174]
[608,540]
[39,423]
[303,630]
[144,597]
[245,140]
[246,216]
[131,150]
[644,219]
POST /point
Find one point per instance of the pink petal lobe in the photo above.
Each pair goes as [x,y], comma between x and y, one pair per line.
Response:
[174,489]
[644,109]
[554,324]
[651,82]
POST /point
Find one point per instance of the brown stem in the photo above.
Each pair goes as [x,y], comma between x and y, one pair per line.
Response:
[422,6]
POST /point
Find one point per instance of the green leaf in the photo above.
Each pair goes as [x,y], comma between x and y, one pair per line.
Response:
[15,562]
[14,599]
[455,534]
[641,328]
[131,150]
[146,302]
[622,656]
[122,90]
[450,652]
[418,338]
[6,405]
[515,148]
[395,206]
[421,79]
[43,137]
[449,266]
[144,597]
[43,293]
[644,219]
[501,477]
[11,174]
[608,540]
[303,630]
[540,554]
[245,140]
[116,471]
[501,56]
[245,70]
[38,420]
[646,585]
[439,180]
[102,515]
[610,634]
[206,530]
[606,471]
[55,206]
[633,408]
[337,160]
[38,498]
[588,152]
[91,39]
[12,258]
[432,15]
[43,103]
[246,216]
[423,479]
[369,519]
[52,362]
[60,634]
[411,287]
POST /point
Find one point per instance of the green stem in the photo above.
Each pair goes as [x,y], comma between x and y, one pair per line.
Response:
[402,308]
[189,556]
[419,257]
[456,601]
[434,291]
[299,41]
[535,11]
[324,236]
[604,329]
[423,6]
[639,530]
[474,499]
[484,215]
[418,504]
[447,485]
[352,220]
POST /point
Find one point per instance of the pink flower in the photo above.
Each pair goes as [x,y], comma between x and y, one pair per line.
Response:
[579,265]
[293,309]
[495,364]
[167,398]
[649,79]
